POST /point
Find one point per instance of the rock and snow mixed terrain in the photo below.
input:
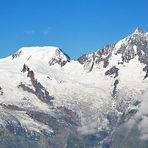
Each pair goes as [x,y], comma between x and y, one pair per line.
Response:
[49,100]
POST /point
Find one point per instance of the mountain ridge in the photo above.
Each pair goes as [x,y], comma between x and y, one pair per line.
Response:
[46,98]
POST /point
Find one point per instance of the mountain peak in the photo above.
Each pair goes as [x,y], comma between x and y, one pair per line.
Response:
[46,50]
[121,52]
[46,54]
[139,31]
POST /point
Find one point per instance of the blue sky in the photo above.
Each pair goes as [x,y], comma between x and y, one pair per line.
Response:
[76,26]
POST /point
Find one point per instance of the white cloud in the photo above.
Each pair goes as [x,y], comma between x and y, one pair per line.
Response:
[45,31]
[143,113]
[141,118]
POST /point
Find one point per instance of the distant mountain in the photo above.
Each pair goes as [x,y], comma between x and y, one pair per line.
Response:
[99,100]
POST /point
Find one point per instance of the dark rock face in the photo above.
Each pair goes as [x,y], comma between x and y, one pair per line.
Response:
[16,55]
[82,59]
[93,62]
[16,137]
[1,91]
[112,71]
[11,107]
[65,132]
[115,88]
[64,125]
[59,59]
[39,91]
[104,54]
[25,68]
[146,70]
[128,52]
[98,56]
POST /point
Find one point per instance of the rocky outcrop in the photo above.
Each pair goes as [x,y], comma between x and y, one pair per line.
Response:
[112,71]
[101,55]
[1,91]
[16,55]
[115,88]
[39,89]
[58,59]
[134,45]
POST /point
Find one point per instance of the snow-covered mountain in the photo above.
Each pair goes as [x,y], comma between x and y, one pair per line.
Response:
[49,100]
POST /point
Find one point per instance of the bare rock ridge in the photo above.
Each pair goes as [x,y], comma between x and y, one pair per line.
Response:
[40,90]
[134,45]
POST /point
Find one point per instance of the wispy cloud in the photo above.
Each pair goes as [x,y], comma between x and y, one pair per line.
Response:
[141,118]
[45,31]
[143,113]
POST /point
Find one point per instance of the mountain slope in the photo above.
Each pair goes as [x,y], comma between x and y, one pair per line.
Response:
[46,98]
